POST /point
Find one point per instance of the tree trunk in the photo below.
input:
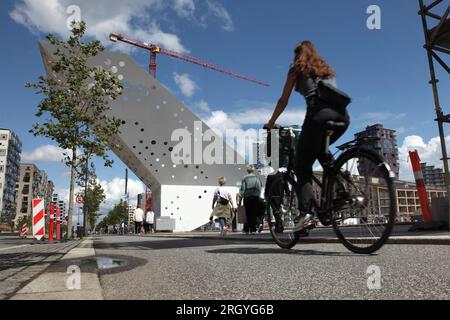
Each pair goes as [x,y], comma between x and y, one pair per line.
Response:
[71,192]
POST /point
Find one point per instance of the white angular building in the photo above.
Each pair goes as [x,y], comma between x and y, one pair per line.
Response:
[154,125]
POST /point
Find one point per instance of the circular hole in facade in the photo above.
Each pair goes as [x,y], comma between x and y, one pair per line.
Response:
[196,167]
[152,154]
[170,149]
[140,153]
[123,122]
[141,141]
[134,147]
[164,154]
[153,142]
[136,123]
[165,143]
[142,130]
[205,191]
[199,197]
[201,172]
[146,148]
[186,166]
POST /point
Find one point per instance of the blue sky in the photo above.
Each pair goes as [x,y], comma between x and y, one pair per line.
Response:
[385,71]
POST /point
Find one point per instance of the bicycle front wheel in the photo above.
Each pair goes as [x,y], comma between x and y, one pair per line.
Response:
[362,196]
[282,207]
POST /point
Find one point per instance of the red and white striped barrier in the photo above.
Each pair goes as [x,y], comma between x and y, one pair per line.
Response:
[420,183]
[24,231]
[38,218]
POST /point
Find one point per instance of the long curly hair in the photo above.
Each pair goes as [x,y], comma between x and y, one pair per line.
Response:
[308,61]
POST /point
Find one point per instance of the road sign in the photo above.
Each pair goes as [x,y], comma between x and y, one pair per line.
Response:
[80,200]
[38,218]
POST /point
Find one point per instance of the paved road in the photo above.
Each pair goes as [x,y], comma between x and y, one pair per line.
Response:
[163,268]
[22,260]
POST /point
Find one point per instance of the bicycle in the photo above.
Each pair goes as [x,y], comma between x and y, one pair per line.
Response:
[355,195]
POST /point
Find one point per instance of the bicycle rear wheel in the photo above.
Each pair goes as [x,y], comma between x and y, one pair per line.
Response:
[282,208]
[361,193]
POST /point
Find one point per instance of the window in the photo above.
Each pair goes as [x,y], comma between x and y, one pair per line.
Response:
[3,137]
[2,168]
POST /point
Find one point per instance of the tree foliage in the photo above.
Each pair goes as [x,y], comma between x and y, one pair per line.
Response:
[75,105]
[117,215]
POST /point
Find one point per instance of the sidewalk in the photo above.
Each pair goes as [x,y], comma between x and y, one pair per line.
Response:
[400,235]
[21,262]
[58,283]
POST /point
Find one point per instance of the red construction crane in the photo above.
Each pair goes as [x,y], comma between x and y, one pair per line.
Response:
[154,50]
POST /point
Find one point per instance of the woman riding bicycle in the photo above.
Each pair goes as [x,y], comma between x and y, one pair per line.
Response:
[304,74]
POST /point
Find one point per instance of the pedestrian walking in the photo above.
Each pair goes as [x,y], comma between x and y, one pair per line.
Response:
[150,219]
[222,206]
[250,193]
[138,220]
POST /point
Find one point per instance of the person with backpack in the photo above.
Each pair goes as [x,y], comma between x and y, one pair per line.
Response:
[250,192]
[222,206]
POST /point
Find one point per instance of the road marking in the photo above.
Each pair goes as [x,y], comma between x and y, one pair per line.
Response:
[15,247]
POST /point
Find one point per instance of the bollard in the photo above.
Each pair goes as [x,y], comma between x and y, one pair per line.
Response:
[51,222]
[24,231]
[58,224]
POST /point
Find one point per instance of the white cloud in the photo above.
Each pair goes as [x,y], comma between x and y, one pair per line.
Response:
[203,106]
[45,153]
[429,152]
[230,125]
[220,12]
[185,83]
[135,18]
[115,188]
[184,8]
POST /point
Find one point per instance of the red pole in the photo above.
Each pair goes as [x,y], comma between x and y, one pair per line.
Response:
[51,221]
[420,183]
[58,223]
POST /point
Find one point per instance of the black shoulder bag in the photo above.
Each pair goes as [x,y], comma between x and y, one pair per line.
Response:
[332,95]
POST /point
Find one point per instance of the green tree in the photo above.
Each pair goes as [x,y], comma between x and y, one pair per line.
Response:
[76,103]
[94,194]
[117,215]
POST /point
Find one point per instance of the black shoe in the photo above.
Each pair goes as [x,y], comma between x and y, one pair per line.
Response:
[279,226]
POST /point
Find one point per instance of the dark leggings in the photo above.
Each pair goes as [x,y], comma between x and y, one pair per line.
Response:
[311,145]
[251,205]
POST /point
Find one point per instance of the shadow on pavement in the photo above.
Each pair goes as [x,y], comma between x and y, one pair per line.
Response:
[283,251]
